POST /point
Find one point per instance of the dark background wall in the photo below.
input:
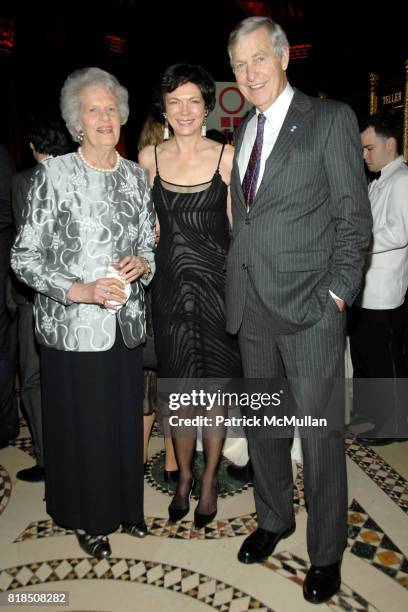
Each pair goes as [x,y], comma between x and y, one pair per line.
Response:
[348,40]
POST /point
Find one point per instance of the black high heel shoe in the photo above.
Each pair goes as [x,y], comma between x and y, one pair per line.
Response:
[201,519]
[176,514]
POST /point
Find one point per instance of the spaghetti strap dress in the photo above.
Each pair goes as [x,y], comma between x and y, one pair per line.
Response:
[189,284]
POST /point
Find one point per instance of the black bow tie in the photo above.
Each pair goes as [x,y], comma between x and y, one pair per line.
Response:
[374,176]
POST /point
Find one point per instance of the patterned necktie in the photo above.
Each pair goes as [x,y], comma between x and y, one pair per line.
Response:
[252,172]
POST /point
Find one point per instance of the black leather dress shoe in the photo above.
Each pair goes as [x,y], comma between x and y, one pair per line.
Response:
[95,546]
[261,543]
[32,474]
[366,441]
[242,473]
[321,583]
[139,530]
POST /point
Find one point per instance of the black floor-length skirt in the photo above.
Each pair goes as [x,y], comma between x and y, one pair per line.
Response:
[93,436]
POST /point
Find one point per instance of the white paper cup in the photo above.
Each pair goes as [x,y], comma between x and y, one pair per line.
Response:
[111,272]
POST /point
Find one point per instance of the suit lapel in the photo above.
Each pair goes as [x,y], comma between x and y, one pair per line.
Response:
[292,129]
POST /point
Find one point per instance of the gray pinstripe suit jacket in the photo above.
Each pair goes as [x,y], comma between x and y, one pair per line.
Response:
[310,223]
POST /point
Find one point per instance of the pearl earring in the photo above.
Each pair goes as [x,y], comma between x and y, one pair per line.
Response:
[80,136]
[204,125]
[166,131]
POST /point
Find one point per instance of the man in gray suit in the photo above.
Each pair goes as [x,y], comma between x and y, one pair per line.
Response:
[301,226]
[48,138]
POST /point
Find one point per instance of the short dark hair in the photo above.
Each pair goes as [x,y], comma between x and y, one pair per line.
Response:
[49,135]
[385,124]
[180,74]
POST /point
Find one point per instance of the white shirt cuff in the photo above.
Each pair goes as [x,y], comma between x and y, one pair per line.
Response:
[336,297]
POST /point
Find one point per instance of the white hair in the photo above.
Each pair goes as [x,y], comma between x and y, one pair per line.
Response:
[278,37]
[76,82]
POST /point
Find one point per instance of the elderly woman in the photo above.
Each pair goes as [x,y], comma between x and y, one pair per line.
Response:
[86,248]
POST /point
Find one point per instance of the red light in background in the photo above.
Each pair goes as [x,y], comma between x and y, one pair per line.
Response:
[115,44]
[260,9]
[298,52]
[7,33]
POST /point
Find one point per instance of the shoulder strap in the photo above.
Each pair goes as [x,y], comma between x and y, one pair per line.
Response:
[155,158]
[219,161]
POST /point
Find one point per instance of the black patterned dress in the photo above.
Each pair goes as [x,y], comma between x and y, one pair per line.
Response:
[189,285]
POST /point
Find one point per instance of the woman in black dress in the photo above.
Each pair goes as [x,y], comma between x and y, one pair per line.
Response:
[190,177]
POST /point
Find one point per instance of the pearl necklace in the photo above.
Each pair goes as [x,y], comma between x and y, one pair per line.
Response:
[86,162]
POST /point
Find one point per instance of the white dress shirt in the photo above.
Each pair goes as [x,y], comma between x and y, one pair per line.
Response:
[386,278]
[275,116]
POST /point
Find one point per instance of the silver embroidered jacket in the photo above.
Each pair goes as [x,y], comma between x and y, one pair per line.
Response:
[78,221]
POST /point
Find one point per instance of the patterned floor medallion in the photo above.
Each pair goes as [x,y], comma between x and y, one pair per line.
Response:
[24,441]
[216,594]
[366,539]
[156,431]
[376,468]
[369,542]
[210,591]
[5,488]
[161,527]
[26,445]
[294,569]
[227,486]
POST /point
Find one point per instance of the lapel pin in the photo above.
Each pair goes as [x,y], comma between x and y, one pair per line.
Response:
[294,127]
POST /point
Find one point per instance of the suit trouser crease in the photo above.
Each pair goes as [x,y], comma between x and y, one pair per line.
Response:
[313,354]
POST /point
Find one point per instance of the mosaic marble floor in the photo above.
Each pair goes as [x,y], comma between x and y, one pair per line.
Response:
[179,568]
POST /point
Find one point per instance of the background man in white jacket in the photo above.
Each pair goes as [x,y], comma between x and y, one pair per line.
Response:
[378,316]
